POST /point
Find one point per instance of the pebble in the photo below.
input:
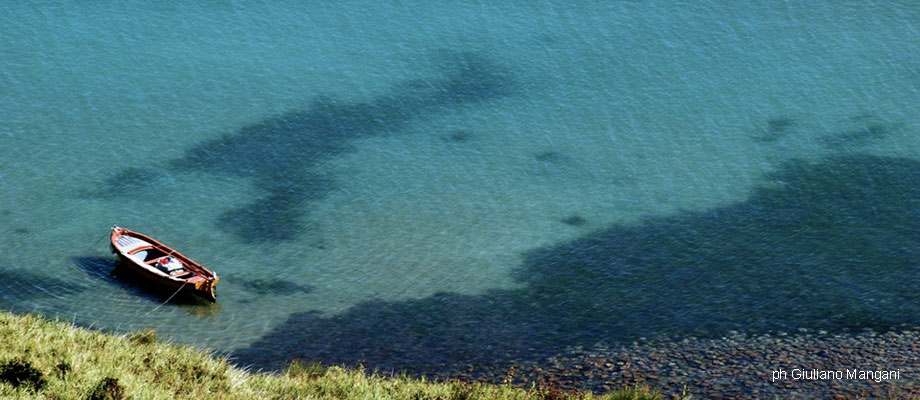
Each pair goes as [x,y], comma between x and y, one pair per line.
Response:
[738,366]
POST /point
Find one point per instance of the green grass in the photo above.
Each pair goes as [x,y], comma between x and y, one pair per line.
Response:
[46,359]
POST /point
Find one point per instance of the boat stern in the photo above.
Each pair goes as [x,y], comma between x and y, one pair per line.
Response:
[206,288]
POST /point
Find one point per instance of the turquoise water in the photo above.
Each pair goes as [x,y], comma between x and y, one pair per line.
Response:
[420,184]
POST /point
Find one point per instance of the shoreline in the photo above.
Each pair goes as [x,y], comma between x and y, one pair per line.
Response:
[817,365]
[51,358]
[736,366]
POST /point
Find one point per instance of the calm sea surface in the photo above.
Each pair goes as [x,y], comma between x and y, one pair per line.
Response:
[428,183]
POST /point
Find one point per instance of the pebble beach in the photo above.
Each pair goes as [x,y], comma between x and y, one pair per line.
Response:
[736,366]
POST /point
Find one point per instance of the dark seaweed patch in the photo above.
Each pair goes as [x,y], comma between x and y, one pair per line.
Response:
[776,129]
[574,220]
[829,249]
[266,286]
[272,218]
[460,136]
[281,155]
[470,78]
[127,182]
[779,124]
[861,135]
[860,130]
[548,39]
[550,156]
[552,163]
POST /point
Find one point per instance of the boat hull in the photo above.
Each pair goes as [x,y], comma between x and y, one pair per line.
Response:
[193,279]
[166,285]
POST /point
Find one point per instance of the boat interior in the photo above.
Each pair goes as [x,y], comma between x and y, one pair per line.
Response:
[157,258]
[146,253]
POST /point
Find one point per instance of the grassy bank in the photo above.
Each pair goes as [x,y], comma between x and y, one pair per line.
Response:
[55,360]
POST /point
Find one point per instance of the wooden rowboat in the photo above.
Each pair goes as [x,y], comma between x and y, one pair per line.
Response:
[160,264]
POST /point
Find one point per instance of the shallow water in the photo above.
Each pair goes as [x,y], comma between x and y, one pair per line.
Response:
[413,184]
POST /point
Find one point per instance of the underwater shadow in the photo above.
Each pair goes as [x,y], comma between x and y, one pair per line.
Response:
[829,245]
[17,286]
[110,272]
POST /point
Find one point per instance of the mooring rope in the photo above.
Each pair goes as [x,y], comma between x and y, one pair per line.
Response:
[97,242]
[167,300]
